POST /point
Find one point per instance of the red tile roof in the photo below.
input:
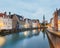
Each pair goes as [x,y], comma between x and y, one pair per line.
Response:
[2,14]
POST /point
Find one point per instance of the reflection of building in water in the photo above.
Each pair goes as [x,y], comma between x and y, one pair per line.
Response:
[27,33]
[15,37]
[22,35]
[38,30]
[35,32]
[2,40]
[43,35]
[32,32]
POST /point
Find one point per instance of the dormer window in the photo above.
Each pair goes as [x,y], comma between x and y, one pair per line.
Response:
[21,18]
[59,14]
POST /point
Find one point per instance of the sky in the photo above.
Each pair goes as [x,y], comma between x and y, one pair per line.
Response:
[32,9]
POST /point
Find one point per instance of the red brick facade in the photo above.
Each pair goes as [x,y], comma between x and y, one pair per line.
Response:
[3,14]
[56,20]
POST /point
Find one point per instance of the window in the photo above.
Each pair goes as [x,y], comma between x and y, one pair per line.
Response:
[58,17]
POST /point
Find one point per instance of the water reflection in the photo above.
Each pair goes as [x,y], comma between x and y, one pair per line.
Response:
[34,32]
[27,33]
[30,39]
[27,39]
[44,33]
[2,40]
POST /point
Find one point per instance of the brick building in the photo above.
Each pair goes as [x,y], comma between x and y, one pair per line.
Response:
[57,20]
[5,22]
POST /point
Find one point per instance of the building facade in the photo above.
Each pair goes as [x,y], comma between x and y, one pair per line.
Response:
[52,22]
[28,23]
[57,20]
[35,23]
[17,21]
[5,22]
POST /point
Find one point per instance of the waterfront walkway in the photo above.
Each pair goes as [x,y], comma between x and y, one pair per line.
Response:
[56,33]
[54,37]
[54,40]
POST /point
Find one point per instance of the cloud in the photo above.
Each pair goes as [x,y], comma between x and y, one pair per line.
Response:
[42,11]
[30,8]
[38,12]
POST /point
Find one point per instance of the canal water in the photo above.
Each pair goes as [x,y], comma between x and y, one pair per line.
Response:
[26,39]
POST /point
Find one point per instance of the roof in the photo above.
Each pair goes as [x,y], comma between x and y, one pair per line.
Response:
[2,14]
[59,12]
[51,20]
[17,16]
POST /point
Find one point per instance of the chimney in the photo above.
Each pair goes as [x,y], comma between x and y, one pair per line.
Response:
[9,13]
[4,13]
